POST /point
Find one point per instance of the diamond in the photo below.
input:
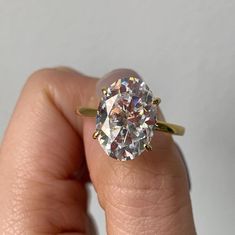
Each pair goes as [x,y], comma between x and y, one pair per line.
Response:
[126,118]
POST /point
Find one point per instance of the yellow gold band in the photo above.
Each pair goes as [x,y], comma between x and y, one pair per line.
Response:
[160,125]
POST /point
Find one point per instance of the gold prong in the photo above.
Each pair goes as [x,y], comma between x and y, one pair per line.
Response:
[156,126]
[132,79]
[157,101]
[104,91]
[148,147]
[96,134]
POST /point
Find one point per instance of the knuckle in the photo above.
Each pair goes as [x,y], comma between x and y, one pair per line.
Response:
[50,74]
[42,76]
[45,83]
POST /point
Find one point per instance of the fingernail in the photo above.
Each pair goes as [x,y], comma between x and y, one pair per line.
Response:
[113,76]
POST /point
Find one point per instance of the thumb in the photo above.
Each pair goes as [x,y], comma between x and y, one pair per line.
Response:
[148,195]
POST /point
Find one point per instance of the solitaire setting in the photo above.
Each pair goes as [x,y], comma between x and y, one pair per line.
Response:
[126,119]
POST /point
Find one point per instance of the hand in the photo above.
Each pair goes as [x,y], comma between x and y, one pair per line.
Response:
[46,143]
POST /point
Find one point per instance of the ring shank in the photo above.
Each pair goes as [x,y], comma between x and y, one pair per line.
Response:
[169,128]
[160,125]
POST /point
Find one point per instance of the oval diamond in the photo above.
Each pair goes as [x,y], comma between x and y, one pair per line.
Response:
[125,118]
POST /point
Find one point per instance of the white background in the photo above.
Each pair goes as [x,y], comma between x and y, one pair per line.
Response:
[184,49]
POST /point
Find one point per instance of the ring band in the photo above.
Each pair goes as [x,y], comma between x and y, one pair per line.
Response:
[126,119]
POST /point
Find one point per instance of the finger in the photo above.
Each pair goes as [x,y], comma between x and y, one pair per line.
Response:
[41,150]
[148,195]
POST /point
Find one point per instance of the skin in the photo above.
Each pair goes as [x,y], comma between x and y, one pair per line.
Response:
[45,143]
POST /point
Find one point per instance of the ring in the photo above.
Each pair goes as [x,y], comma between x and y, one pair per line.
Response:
[126,119]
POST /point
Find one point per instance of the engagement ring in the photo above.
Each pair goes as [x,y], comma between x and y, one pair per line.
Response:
[127,118]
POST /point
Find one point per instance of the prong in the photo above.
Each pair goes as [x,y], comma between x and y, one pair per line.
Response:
[96,134]
[133,79]
[155,126]
[104,91]
[148,147]
[156,101]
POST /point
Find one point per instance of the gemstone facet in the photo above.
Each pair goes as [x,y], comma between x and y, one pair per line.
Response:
[126,118]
